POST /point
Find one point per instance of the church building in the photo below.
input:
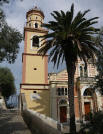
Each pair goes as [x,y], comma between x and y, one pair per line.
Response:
[47,93]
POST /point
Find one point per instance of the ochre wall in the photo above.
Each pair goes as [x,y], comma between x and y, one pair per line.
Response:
[39,105]
[35,70]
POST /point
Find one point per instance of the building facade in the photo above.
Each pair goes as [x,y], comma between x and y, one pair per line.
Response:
[48,93]
[86,99]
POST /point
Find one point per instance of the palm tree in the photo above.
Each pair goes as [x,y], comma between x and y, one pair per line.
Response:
[70,38]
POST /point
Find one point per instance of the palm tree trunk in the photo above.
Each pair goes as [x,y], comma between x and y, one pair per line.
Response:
[71,71]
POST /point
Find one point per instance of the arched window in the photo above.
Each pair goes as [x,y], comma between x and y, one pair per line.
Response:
[88,92]
[81,71]
[36,25]
[35,41]
[62,102]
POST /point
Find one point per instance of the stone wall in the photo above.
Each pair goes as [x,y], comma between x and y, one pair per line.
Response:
[39,123]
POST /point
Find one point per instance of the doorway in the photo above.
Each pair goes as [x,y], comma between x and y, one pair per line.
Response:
[87,110]
[63,114]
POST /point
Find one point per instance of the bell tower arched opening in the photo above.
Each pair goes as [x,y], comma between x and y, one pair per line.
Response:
[36,25]
[35,41]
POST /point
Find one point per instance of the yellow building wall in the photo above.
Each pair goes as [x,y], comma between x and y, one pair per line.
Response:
[35,76]
[41,105]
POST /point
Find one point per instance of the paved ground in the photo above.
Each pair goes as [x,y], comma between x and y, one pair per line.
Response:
[12,123]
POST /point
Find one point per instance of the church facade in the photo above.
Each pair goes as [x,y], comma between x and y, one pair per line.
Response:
[47,93]
[86,99]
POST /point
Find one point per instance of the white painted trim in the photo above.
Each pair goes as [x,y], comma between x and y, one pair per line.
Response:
[84,88]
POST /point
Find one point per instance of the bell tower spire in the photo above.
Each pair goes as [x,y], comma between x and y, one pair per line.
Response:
[35,18]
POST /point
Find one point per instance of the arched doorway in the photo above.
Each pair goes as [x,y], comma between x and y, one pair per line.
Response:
[63,108]
[89,102]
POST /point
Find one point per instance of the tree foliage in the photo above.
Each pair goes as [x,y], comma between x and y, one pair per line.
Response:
[94,126]
[99,63]
[4,1]
[70,37]
[9,44]
[7,86]
[9,39]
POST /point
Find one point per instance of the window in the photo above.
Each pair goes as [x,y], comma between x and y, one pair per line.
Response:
[36,25]
[81,71]
[29,24]
[58,91]
[88,92]
[35,41]
[34,91]
[65,91]
[62,91]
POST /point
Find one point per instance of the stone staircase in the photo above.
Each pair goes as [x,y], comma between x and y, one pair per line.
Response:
[11,122]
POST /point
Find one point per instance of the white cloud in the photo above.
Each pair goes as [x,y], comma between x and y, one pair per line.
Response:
[16,11]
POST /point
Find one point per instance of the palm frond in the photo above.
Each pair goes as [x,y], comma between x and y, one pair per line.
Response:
[85,12]
[70,35]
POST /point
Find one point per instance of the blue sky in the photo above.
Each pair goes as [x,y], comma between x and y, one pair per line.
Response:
[16,12]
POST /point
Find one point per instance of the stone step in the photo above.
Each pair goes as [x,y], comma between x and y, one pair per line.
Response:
[11,122]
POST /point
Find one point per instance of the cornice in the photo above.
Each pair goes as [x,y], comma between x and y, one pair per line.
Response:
[40,30]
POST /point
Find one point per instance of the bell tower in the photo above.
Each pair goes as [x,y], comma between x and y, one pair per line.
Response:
[35,67]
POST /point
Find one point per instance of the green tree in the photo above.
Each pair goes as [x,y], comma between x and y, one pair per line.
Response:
[7,86]
[99,63]
[9,38]
[95,125]
[4,1]
[70,38]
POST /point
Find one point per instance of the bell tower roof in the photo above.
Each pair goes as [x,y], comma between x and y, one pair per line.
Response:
[35,10]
